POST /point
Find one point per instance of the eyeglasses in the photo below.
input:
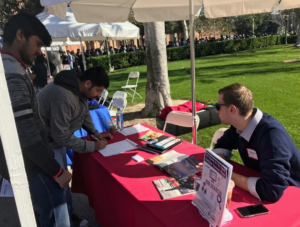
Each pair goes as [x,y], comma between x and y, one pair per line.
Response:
[218,106]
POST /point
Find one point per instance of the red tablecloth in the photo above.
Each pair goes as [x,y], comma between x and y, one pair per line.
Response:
[122,193]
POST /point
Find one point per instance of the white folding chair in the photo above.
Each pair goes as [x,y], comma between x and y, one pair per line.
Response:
[118,103]
[103,97]
[217,135]
[132,87]
[183,119]
[119,95]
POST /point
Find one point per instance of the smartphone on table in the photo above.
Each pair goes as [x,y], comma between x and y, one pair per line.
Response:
[253,210]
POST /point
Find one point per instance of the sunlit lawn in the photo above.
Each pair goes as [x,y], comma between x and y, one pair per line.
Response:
[275,84]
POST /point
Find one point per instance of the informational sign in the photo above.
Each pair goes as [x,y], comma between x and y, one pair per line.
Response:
[211,196]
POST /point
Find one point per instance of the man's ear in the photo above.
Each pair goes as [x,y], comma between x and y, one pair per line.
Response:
[87,84]
[233,109]
[19,35]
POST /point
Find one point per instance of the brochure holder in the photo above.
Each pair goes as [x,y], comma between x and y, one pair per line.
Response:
[211,196]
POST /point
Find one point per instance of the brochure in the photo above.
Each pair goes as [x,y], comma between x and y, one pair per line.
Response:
[170,187]
[211,196]
[183,168]
[166,159]
[151,135]
[178,165]
[163,144]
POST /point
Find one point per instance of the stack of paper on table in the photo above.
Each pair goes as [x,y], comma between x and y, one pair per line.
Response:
[133,129]
[118,147]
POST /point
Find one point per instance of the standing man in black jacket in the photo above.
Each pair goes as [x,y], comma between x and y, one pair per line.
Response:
[24,35]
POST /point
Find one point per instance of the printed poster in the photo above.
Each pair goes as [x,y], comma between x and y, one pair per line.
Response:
[211,196]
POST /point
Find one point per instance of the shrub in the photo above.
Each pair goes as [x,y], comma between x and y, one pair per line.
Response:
[125,60]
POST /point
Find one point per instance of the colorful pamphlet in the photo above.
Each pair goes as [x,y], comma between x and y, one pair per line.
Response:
[151,135]
[170,187]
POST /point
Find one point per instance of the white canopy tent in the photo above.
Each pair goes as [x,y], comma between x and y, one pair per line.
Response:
[111,11]
[69,27]
[160,10]
[56,44]
[61,29]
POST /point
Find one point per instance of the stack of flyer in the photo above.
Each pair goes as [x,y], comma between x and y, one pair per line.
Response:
[211,194]
[133,130]
[181,168]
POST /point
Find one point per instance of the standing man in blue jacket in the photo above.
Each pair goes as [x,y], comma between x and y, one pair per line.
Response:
[263,144]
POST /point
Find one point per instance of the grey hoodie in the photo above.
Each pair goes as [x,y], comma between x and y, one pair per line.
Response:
[64,110]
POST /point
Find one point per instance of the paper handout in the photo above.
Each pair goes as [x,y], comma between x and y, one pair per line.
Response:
[133,129]
[118,147]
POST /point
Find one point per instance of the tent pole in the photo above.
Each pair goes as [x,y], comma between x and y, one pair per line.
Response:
[108,53]
[192,57]
[82,53]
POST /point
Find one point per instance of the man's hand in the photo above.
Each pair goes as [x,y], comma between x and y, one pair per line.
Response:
[100,144]
[199,167]
[64,179]
[103,136]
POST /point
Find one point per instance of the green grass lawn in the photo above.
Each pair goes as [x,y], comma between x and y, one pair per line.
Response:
[275,84]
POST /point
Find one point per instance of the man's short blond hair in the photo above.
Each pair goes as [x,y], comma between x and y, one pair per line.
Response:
[238,95]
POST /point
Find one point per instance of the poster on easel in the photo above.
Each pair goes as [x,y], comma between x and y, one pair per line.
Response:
[211,196]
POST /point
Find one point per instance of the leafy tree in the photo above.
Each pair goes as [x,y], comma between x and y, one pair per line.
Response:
[9,8]
[203,24]
[297,11]
[256,23]
[140,25]
[223,26]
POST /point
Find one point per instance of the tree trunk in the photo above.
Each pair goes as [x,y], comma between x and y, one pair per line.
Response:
[185,30]
[297,44]
[297,11]
[158,86]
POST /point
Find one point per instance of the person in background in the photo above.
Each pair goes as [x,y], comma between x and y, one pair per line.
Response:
[39,69]
[70,59]
[80,60]
[1,42]
[122,49]
[64,109]
[262,142]
[24,35]
[74,59]
[64,58]
[111,50]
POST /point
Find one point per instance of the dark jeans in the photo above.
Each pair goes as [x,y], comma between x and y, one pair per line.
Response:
[49,202]
[61,158]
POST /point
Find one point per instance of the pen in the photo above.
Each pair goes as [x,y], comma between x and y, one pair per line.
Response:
[95,138]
